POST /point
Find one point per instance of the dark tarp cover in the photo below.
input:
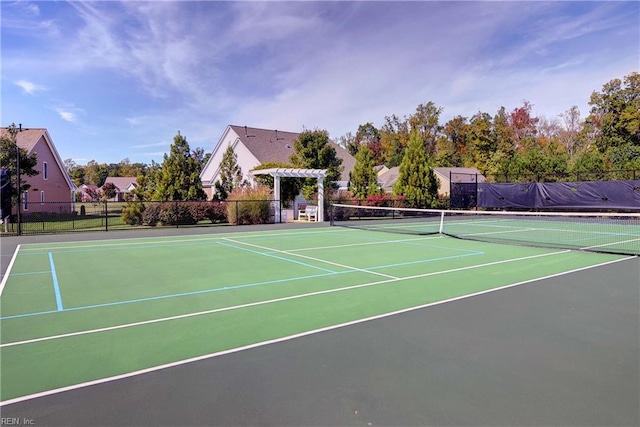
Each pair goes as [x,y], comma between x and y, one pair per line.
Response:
[565,195]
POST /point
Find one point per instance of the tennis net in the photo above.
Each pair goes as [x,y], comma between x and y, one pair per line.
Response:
[617,233]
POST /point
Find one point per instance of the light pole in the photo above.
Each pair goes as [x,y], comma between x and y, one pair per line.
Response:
[14,134]
[18,183]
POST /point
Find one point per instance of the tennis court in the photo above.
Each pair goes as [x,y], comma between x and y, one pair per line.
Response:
[88,316]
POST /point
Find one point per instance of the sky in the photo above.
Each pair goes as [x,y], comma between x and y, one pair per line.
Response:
[115,80]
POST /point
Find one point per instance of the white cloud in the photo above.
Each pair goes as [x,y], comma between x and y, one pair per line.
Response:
[29,87]
[68,113]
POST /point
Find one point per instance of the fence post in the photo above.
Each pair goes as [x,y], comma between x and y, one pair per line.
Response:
[175,212]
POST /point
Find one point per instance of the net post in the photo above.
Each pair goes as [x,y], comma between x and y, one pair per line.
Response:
[331,208]
[441,222]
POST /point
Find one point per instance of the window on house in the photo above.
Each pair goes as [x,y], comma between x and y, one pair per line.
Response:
[25,201]
[45,170]
[42,197]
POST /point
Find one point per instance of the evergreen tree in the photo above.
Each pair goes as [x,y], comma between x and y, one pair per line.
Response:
[364,179]
[416,180]
[179,177]
[313,151]
[230,175]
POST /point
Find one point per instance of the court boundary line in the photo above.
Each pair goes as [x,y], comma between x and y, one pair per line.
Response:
[165,240]
[272,301]
[9,268]
[295,336]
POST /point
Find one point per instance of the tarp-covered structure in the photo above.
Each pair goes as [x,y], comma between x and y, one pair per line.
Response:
[586,195]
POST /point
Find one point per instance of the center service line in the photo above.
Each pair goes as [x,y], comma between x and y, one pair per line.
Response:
[56,287]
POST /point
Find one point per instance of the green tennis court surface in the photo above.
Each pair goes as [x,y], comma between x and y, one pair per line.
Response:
[82,312]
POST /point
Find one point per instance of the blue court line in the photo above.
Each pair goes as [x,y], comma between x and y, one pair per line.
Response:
[276,256]
[229,288]
[181,294]
[56,287]
[422,261]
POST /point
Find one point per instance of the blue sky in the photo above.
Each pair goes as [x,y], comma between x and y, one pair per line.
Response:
[113,80]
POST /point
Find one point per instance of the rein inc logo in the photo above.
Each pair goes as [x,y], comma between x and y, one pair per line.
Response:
[15,421]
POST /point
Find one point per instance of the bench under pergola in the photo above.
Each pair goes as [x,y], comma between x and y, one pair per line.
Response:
[278,173]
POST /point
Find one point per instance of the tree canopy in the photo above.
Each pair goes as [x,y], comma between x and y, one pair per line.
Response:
[312,150]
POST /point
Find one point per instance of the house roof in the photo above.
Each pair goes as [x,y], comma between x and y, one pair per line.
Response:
[387,177]
[271,145]
[122,183]
[27,139]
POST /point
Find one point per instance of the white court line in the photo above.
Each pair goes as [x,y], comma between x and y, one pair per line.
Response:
[292,337]
[379,242]
[610,244]
[271,301]
[335,264]
[9,267]
[167,240]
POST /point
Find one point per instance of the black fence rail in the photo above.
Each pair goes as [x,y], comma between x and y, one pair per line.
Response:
[57,217]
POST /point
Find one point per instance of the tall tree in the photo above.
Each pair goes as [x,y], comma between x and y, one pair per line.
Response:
[179,178]
[416,179]
[230,175]
[615,112]
[523,125]
[571,130]
[368,135]
[452,145]
[312,150]
[394,137]
[364,179]
[481,142]
[425,121]
[96,173]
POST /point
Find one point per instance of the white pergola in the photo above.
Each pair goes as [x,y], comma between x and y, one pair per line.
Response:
[278,173]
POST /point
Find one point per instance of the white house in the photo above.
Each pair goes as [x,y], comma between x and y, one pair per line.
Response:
[255,146]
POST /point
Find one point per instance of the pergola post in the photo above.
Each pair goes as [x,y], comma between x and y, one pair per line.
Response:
[320,199]
[276,193]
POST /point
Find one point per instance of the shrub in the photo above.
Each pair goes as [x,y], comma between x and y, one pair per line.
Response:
[247,205]
[385,200]
[132,213]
